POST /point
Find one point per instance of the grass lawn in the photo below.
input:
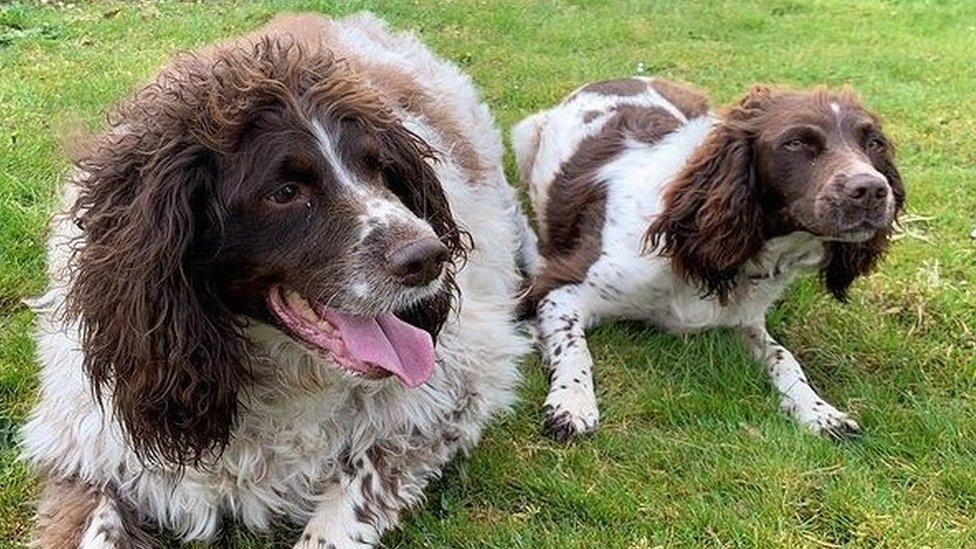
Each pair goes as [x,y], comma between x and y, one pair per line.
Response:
[692,450]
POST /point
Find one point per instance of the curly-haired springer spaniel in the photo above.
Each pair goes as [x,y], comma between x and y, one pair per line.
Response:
[265,305]
[652,208]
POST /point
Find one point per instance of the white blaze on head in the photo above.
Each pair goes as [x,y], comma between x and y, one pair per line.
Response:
[378,208]
[328,150]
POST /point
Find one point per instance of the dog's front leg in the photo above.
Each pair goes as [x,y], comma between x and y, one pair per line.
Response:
[570,407]
[797,397]
[341,519]
[362,503]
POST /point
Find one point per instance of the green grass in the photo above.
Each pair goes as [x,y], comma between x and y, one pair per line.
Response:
[692,450]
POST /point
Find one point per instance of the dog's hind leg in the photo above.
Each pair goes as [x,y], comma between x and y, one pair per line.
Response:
[570,407]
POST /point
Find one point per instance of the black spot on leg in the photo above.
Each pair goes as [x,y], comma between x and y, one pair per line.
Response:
[562,386]
[559,426]
[576,380]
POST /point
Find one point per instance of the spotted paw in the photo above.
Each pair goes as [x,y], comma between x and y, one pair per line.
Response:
[569,413]
[823,419]
[312,540]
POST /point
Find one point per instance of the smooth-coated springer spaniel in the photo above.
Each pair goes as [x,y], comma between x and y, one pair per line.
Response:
[652,208]
[264,302]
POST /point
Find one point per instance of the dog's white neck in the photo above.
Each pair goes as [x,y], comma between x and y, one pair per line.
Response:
[786,255]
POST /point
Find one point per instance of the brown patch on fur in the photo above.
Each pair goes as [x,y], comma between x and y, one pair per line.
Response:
[590,116]
[645,124]
[576,205]
[689,100]
[618,87]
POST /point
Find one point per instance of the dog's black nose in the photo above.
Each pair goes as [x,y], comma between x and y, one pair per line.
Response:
[867,189]
[418,262]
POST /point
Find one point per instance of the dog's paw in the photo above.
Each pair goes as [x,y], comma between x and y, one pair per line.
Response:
[569,413]
[823,419]
[312,539]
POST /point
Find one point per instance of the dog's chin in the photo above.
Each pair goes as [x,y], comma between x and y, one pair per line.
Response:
[853,236]
[861,232]
[374,347]
[850,233]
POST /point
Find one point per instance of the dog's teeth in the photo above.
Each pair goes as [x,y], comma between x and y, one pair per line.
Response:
[300,305]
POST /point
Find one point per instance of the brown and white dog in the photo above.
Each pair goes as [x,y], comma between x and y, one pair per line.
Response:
[652,208]
[264,302]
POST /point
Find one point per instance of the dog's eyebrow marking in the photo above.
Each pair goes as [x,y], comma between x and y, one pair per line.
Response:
[327,147]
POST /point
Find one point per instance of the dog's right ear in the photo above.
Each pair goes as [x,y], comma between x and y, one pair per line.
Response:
[155,335]
[711,220]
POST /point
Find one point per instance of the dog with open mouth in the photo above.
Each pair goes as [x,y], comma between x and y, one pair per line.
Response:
[282,292]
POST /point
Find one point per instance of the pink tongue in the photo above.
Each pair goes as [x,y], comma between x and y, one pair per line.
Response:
[390,343]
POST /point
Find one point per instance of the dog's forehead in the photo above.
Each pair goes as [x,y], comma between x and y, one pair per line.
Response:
[837,113]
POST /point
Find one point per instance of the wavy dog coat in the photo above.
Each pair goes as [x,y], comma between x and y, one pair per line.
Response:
[248,210]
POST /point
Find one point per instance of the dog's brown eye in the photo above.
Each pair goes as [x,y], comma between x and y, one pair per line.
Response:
[795,144]
[876,144]
[285,194]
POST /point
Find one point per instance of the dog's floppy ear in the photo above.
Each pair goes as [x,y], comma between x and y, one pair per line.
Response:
[711,220]
[155,336]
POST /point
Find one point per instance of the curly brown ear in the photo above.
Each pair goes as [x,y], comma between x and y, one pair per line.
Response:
[155,336]
[408,175]
[845,261]
[711,221]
